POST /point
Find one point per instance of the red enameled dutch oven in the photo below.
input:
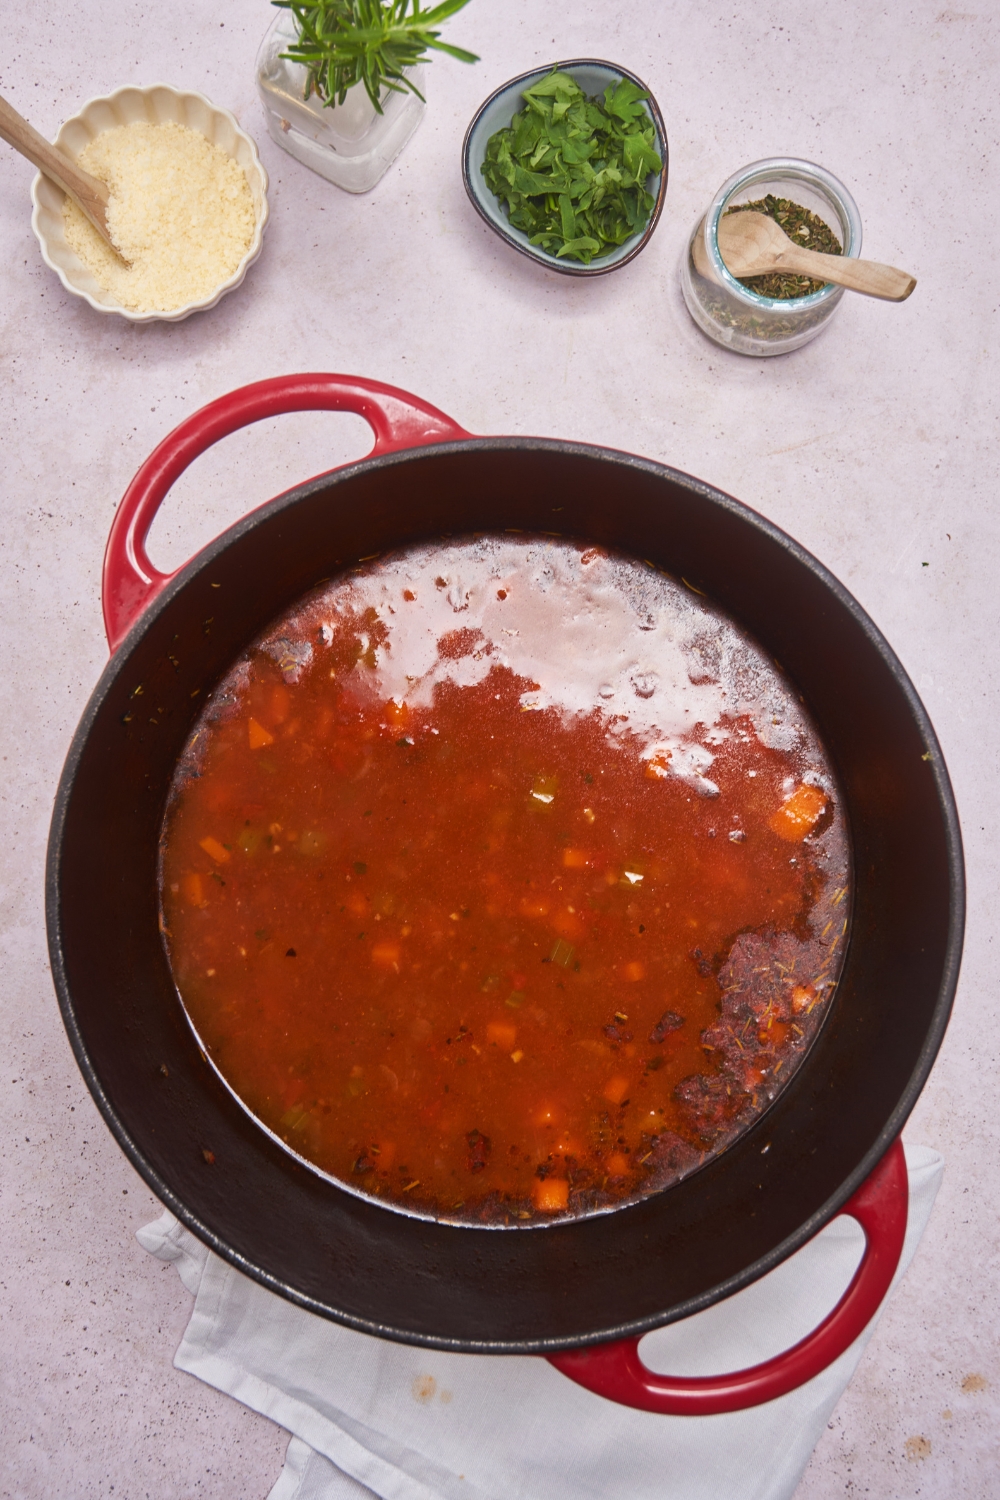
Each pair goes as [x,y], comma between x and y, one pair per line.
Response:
[581,1292]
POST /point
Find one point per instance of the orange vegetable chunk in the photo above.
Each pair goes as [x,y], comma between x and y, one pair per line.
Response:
[617,1164]
[634,971]
[550,1195]
[616,1089]
[212,847]
[386,955]
[803,999]
[800,814]
[658,765]
[259,736]
[576,859]
[193,890]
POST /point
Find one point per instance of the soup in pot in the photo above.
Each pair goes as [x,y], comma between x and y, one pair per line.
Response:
[505,879]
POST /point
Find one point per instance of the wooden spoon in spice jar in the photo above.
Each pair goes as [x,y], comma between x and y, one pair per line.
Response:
[752,244]
[88,193]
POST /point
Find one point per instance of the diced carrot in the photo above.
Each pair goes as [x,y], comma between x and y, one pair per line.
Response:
[576,859]
[658,765]
[616,1089]
[281,702]
[634,971]
[617,1164]
[516,1056]
[800,814]
[777,1031]
[532,907]
[212,847]
[397,713]
[194,890]
[803,996]
[385,1156]
[386,955]
[550,1194]
[501,1034]
[259,736]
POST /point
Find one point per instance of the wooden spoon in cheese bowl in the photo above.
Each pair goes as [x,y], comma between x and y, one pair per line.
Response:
[88,193]
[752,244]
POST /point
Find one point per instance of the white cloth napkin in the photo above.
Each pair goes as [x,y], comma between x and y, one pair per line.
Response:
[369,1417]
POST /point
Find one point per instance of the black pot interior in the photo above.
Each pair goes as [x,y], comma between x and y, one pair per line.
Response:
[489,1289]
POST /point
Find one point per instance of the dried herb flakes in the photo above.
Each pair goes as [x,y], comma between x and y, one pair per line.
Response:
[571,170]
[804,228]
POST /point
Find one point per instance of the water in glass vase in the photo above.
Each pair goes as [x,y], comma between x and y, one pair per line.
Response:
[351,144]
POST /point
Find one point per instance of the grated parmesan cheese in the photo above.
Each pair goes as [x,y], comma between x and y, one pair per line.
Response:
[180,212]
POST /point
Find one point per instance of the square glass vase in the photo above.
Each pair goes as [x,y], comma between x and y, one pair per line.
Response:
[350,144]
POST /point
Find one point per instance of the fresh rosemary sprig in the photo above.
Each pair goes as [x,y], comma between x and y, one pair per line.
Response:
[344,42]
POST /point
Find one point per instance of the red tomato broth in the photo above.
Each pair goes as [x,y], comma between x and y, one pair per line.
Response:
[454,905]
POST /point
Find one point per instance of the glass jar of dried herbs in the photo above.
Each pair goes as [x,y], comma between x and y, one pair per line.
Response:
[766,315]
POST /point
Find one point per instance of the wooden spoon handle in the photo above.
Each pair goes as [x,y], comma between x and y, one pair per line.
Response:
[88,192]
[867,276]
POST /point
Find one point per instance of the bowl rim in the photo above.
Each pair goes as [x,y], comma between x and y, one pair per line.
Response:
[174,315]
[531,252]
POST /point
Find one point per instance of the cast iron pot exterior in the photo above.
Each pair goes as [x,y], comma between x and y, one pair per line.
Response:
[562,1285]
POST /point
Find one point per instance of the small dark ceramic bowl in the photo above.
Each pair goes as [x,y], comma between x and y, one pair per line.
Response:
[593,76]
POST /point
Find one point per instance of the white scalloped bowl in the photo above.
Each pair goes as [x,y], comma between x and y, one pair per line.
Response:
[157,104]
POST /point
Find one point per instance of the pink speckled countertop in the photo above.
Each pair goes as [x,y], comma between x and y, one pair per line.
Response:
[876,446]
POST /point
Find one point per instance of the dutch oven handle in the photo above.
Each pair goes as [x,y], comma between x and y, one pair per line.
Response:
[616,1372]
[397,419]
